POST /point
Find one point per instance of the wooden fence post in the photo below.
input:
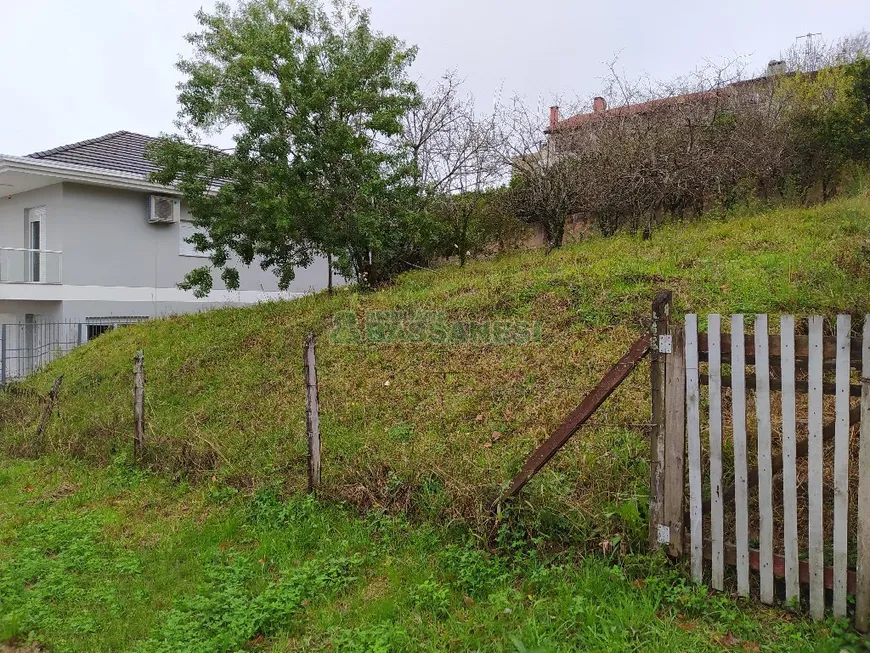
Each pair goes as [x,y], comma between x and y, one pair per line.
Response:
[49,406]
[661,310]
[138,406]
[862,589]
[675,442]
[312,414]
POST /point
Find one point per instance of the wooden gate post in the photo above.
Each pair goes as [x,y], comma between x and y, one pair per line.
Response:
[661,310]
[312,414]
[139,406]
[675,442]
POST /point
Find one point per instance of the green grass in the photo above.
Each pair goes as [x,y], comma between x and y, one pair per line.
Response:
[419,437]
[112,559]
[410,426]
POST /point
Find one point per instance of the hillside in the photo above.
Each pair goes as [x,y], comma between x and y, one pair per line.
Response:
[436,429]
[215,548]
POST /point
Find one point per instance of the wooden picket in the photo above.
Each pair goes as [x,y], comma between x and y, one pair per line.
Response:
[693,435]
[815,419]
[789,459]
[765,478]
[841,465]
[738,419]
[792,365]
[862,583]
[717,537]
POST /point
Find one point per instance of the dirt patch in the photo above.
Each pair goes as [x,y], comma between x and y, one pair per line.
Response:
[20,648]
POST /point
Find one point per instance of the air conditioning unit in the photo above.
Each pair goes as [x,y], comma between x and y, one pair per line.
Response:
[163,209]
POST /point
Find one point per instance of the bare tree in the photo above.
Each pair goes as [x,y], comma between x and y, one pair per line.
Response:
[425,125]
[546,182]
[661,148]
[457,164]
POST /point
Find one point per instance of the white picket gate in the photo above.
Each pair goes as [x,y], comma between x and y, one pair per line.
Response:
[778,475]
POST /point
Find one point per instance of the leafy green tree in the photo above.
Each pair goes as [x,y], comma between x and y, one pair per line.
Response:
[315,99]
[827,122]
[476,222]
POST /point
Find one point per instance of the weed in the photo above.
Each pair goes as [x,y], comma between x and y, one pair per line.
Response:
[431,596]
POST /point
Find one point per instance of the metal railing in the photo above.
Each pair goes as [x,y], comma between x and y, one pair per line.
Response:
[28,346]
[24,265]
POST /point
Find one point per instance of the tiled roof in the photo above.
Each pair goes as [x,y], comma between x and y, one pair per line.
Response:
[581,119]
[121,151]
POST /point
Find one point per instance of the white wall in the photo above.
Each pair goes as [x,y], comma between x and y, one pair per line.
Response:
[108,241]
[12,225]
[13,312]
[117,264]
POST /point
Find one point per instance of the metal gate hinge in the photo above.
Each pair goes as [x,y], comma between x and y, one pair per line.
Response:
[666,344]
[664,532]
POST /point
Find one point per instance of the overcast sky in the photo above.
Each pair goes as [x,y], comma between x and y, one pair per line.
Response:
[76,70]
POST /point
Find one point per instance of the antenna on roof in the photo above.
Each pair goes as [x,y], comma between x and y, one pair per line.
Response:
[810,56]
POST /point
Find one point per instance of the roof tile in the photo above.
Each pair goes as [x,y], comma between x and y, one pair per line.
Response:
[120,151]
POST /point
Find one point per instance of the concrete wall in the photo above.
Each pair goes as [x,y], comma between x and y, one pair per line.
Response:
[107,241]
[82,310]
[12,220]
[13,312]
[117,264]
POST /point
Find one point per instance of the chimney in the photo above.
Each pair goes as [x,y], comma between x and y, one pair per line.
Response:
[775,68]
[554,117]
[599,104]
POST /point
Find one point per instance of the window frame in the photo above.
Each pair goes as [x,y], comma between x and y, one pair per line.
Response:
[185,248]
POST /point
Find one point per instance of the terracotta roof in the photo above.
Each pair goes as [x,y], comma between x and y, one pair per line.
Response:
[645,107]
[120,151]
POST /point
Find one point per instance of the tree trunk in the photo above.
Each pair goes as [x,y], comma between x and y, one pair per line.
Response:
[554,230]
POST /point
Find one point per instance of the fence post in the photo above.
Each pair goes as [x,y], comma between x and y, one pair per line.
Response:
[675,441]
[862,589]
[48,409]
[661,310]
[2,356]
[312,414]
[139,405]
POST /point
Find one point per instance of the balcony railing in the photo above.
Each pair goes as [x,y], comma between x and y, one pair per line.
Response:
[22,265]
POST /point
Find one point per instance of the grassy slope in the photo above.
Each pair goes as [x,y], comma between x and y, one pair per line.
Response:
[110,559]
[410,426]
[103,558]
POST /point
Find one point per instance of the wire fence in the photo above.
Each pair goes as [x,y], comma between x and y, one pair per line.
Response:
[29,345]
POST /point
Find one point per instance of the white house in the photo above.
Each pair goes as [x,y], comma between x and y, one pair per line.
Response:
[85,237]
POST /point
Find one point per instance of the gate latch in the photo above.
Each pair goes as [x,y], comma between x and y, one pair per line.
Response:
[666,344]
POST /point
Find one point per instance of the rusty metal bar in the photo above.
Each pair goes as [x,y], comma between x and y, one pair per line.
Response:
[778,565]
[614,377]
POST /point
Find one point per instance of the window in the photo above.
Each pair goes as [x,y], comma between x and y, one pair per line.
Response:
[97,326]
[95,330]
[35,259]
[185,231]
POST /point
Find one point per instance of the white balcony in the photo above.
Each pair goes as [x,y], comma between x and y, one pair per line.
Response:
[22,265]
